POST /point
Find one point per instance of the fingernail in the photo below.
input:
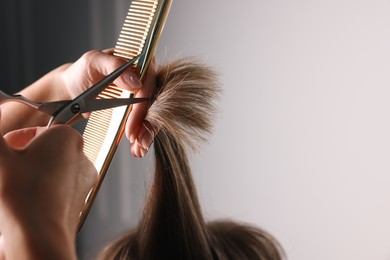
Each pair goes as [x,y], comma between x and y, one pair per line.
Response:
[147,140]
[132,81]
[143,152]
[132,150]
[132,139]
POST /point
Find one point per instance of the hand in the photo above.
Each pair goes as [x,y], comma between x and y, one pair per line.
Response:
[70,80]
[44,180]
[93,66]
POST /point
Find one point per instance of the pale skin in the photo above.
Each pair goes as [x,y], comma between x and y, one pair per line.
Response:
[69,80]
[44,175]
[42,191]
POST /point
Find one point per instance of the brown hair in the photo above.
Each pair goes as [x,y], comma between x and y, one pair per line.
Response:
[172,224]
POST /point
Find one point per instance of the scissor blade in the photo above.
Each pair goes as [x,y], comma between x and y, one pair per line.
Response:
[100,104]
[51,107]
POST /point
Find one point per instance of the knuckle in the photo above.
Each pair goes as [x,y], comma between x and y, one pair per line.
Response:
[88,58]
[90,55]
[69,136]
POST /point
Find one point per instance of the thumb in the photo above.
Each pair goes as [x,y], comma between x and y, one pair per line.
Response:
[18,139]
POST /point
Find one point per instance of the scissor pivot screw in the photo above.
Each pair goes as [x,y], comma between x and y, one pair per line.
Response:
[75,108]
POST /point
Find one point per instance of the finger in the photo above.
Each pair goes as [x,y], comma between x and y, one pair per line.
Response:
[2,248]
[58,139]
[135,120]
[102,63]
[94,66]
[4,148]
[146,135]
[63,135]
[137,150]
[137,116]
[109,51]
[19,139]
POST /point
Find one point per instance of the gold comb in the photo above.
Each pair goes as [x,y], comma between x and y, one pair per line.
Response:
[139,35]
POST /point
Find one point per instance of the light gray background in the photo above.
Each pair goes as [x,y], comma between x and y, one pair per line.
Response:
[302,143]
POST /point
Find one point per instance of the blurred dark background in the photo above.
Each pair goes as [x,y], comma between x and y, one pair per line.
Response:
[38,36]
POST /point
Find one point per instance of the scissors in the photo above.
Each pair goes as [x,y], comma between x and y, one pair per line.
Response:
[63,111]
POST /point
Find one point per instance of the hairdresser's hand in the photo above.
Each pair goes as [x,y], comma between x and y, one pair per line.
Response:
[44,180]
[93,66]
[70,80]
[65,82]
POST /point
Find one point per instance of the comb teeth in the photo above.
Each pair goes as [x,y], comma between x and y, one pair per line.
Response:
[135,29]
[100,124]
[111,92]
[97,133]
